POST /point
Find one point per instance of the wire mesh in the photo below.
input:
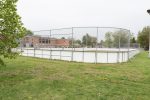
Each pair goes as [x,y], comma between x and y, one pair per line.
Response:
[81,44]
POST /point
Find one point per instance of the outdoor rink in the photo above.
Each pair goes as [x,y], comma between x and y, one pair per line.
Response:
[88,55]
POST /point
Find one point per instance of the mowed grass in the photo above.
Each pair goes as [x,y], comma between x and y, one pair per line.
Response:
[40,79]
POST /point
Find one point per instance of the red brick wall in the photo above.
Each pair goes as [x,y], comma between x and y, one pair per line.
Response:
[35,40]
[62,42]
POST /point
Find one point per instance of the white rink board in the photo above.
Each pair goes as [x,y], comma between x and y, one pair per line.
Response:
[88,55]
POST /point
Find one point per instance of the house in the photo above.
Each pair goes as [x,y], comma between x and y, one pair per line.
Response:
[43,42]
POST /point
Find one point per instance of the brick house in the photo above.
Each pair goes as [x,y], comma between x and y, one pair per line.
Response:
[43,42]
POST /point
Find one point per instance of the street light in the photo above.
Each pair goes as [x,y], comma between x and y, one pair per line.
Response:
[148,11]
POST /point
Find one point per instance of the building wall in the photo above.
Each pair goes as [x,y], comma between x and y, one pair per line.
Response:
[62,42]
[44,42]
[30,41]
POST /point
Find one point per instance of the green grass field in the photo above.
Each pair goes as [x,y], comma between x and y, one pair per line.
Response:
[40,79]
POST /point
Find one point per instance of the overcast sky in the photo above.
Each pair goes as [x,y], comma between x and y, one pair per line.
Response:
[50,14]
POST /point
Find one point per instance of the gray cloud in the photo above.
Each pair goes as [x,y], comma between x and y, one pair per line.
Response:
[47,14]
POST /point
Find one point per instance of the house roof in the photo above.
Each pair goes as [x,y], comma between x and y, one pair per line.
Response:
[38,36]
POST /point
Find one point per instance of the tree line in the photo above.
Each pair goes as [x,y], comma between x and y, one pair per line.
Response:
[112,39]
[117,39]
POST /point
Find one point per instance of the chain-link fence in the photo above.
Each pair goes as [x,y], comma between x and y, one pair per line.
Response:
[81,44]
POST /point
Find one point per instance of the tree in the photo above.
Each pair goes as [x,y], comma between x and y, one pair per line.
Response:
[77,42]
[29,32]
[133,40]
[62,37]
[143,37]
[108,39]
[101,44]
[11,28]
[88,40]
[120,38]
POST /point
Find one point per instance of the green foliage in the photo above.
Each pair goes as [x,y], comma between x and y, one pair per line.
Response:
[77,43]
[11,29]
[29,32]
[120,38]
[133,40]
[62,37]
[116,39]
[88,40]
[143,37]
[108,39]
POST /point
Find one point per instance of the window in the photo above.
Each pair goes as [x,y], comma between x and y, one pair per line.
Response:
[31,45]
[43,41]
[46,41]
[27,39]
[40,41]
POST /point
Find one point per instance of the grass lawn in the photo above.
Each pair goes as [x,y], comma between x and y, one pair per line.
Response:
[39,79]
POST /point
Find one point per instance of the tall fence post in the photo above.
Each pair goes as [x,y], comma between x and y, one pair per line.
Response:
[83,54]
[119,50]
[34,51]
[42,52]
[21,51]
[96,46]
[72,45]
[122,56]
[60,54]
[27,52]
[129,45]
[50,45]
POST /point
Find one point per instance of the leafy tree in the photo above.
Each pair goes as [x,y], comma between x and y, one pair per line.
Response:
[143,37]
[108,39]
[29,32]
[77,42]
[101,44]
[120,38]
[133,40]
[11,28]
[88,40]
[62,37]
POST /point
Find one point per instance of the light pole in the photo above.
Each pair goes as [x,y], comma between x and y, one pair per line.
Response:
[148,11]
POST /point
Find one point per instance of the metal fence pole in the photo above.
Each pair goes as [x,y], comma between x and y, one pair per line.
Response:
[34,51]
[107,56]
[122,56]
[119,50]
[21,51]
[119,47]
[27,51]
[86,43]
[82,51]
[60,54]
[129,44]
[83,54]
[96,46]
[50,45]
[72,45]
[42,53]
